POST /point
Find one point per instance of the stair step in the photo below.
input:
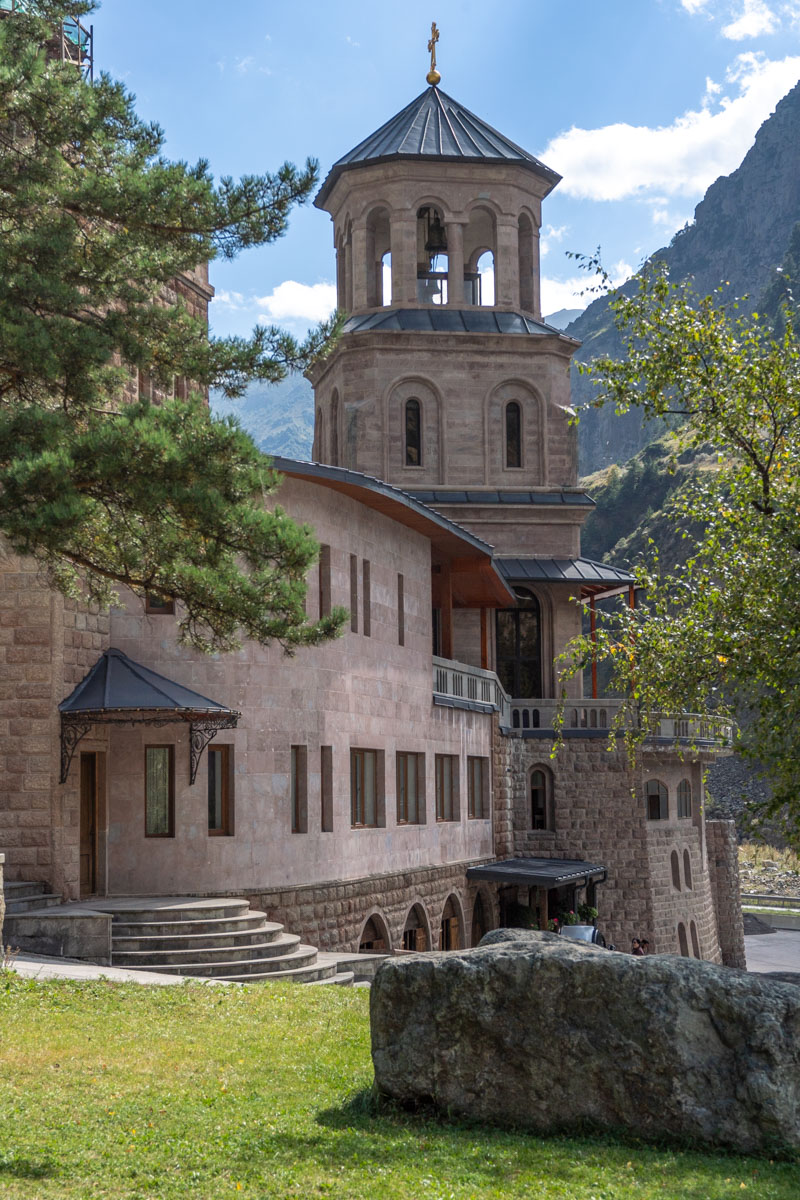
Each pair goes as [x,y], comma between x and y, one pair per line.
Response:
[33,903]
[317,973]
[18,889]
[155,960]
[259,933]
[212,927]
[300,956]
[174,908]
[341,978]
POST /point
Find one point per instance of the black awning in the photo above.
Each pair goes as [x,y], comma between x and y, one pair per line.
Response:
[539,872]
[119,691]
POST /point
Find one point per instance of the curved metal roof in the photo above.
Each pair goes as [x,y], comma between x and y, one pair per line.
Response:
[561,570]
[440,319]
[434,126]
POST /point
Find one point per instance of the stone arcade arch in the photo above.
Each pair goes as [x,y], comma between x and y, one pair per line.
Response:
[451,929]
[417,928]
[374,937]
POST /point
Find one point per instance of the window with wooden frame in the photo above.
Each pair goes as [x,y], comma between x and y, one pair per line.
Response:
[324,581]
[513,434]
[158,606]
[401,611]
[159,791]
[366,791]
[410,788]
[366,598]
[477,787]
[354,593]
[446,787]
[220,790]
[298,788]
[684,799]
[656,800]
[326,789]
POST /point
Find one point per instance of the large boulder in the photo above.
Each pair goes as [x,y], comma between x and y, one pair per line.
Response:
[532,1030]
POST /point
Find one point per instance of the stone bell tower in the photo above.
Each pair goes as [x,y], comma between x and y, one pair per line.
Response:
[446,382]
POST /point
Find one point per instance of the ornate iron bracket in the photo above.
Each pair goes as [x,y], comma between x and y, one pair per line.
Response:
[201,733]
[71,734]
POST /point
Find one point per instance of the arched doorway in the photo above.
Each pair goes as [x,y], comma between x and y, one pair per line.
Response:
[480,920]
[450,933]
[374,936]
[415,931]
[519,646]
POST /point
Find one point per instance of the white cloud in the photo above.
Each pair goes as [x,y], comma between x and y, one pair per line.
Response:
[292,301]
[579,290]
[230,300]
[618,161]
[755,18]
[551,233]
[243,65]
[694,6]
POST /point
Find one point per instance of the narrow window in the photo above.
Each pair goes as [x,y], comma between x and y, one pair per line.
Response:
[676,871]
[695,941]
[158,606]
[299,789]
[401,611]
[220,790]
[657,801]
[687,870]
[354,593]
[335,429]
[326,788]
[366,597]
[324,581]
[365,789]
[410,789]
[683,944]
[513,435]
[446,787]
[684,798]
[159,791]
[539,800]
[477,787]
[413,433]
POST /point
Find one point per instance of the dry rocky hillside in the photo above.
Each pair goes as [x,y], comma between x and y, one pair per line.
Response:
[766,871]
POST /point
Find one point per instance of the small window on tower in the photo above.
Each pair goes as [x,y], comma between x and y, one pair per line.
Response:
[513,435]
[413,433]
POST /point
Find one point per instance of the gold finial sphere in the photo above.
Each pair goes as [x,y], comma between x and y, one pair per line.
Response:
[433,77]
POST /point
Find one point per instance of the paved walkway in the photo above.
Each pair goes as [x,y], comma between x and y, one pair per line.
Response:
[38,966]
[778,951]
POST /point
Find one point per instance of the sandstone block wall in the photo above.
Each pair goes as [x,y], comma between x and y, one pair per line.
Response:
[723,864]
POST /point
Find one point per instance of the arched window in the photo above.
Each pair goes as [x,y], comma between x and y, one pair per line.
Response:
[319,437]
[519,646]
[695,942]
[684,798]
[683,944]
[676,870]
[687,870]
[335,429]
[413,433]
[657,800]
[541,799]
[378,246]
[513,434]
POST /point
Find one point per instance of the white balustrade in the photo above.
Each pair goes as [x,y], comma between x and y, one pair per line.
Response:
[470,685]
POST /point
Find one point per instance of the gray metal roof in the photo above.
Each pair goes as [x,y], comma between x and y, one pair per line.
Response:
[436,319]
[491,496]
[116,682]
[538,872]
[561,570]
[435,126]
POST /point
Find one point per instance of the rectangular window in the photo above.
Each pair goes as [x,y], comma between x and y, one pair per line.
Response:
[366,788]
[298,789]
[324,581]
[326,788]
[354,593]
[446,787]
[157,606]
[401,612]
[220,790]
[159,791]
[477,787]
[365,597]
[410,789]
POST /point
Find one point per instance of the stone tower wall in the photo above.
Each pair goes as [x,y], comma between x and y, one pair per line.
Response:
[723,863]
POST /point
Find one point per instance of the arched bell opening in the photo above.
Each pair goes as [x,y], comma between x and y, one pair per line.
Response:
[525,237]
[432,258]
[378,250]
[480,255]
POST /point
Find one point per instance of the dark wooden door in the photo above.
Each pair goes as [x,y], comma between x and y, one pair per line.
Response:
[88,848]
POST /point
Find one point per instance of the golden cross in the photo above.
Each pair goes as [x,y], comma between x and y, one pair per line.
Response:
[433,76]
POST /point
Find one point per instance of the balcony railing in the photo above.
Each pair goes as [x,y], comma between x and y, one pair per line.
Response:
[584,718]
[464,686]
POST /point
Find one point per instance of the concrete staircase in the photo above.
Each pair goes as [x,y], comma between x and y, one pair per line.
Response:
[28,897]
[214,939]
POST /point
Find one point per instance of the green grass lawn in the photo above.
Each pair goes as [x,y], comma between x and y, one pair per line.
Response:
[111,1090]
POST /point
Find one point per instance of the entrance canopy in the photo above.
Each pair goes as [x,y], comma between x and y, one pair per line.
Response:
[539,872]
[119,691]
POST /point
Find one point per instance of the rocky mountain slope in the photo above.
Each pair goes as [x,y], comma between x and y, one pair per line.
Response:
[740,234]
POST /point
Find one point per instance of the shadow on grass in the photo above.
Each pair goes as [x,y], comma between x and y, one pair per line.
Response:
[24,1168]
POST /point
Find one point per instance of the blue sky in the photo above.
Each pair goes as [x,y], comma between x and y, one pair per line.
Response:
[639,104]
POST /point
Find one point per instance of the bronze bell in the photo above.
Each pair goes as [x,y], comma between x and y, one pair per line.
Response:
[437,238]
